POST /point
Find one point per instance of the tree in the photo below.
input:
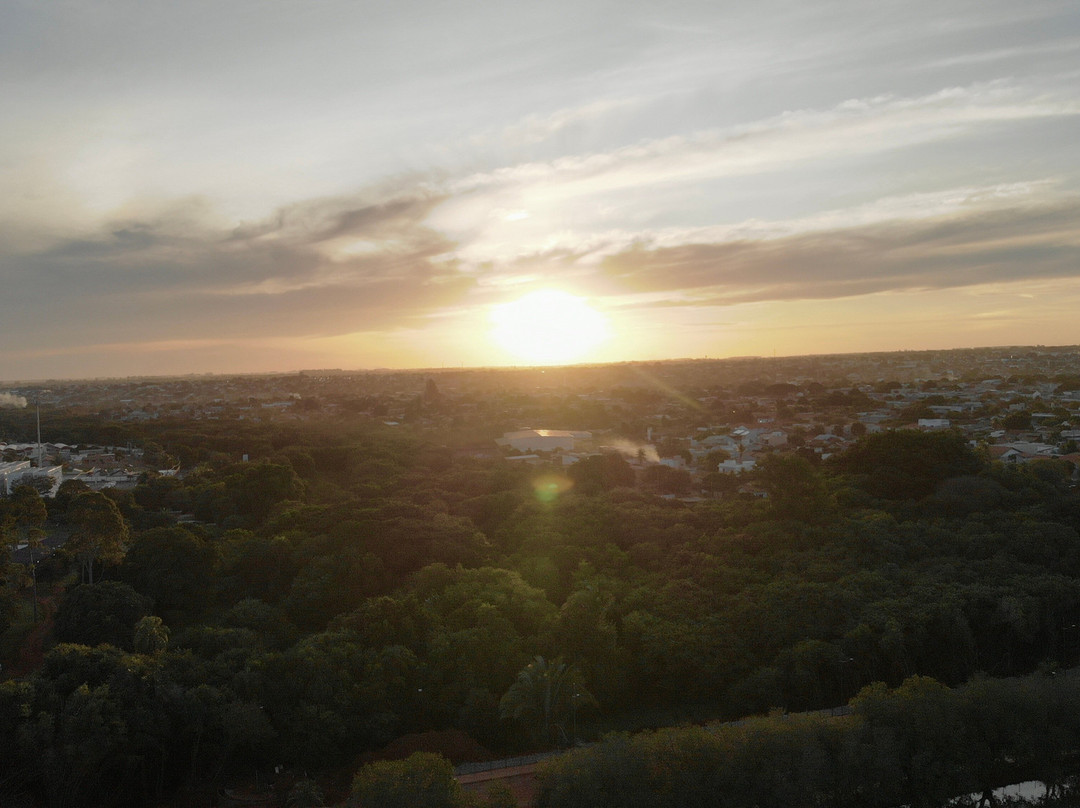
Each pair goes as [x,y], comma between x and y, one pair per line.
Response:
[1019,420]
[587,635]
[305,794]
[718,483]
[173,567]
[666,480]
[41,483]
[714,458]
[155,456]
[422,779]
[105,727]
[906,464]
[99,532]
[922,723]
[28,508]
[151,636]
[601,473]
[258,487]
[21,519]
[544,695]
[107,612]
[500,795]
[69,491]
[795,489]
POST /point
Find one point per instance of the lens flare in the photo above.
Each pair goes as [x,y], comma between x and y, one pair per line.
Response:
[548,487]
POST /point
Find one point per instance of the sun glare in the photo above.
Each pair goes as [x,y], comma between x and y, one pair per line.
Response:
[548,328]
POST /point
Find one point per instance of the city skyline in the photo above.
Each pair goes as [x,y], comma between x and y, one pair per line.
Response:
[259,187]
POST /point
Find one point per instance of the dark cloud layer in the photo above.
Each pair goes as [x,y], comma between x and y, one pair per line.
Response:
[292,275]
[1003,246]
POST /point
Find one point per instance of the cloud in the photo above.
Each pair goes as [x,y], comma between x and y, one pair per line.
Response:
[537,128]
[775,164]
[857,126]
[390,256]
[967,249]
[318,268]
[1067,45]
[957,237]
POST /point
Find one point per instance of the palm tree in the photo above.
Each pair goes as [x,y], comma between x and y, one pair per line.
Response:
[543,695]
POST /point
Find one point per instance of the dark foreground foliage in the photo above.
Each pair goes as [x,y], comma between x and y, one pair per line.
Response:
[921,745]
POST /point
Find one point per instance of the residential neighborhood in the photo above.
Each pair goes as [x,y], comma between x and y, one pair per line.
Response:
[697,418]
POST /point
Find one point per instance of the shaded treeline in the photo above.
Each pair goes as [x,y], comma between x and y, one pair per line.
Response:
[921,744]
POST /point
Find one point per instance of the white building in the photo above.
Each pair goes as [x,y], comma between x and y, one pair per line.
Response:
[541,440]
[10,473]
[19,472]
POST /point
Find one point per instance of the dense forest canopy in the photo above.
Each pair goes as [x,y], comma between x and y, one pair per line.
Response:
[351,582]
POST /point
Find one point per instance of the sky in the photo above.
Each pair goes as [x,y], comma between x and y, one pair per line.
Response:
[274,185]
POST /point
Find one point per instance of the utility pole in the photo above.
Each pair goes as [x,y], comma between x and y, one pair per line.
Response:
[33,572]
[37,407]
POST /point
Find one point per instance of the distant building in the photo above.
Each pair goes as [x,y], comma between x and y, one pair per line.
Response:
[1028,449]
[527,459]
[725,442]
[98,479]
[775,438]
[21,472]
[10,474]
[541,440]
[734,466]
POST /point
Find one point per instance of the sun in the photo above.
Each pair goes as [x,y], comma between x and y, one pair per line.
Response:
[548,327]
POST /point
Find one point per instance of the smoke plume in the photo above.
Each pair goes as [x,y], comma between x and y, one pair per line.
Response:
[632,450]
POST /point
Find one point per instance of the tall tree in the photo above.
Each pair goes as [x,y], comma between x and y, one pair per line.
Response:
[21,519]
[106,612]
[99,532]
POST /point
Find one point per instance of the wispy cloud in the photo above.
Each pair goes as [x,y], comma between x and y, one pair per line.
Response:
[856,126]
[1068,45]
